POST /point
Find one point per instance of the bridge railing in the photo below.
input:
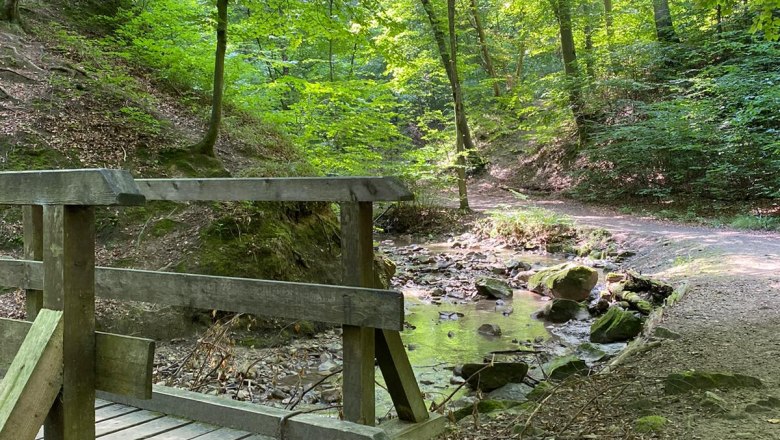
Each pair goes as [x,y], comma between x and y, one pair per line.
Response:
[60,276]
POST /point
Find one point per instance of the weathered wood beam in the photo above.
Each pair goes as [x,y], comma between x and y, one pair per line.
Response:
[398,429]
[355,306]
[263,420]
[357,248]
[294,189]
[123,364]
[69,285]
[96,187]
[399,377]
[34,378]
[33,250]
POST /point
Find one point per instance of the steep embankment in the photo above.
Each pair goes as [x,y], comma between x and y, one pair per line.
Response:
[727,322]
[67,102]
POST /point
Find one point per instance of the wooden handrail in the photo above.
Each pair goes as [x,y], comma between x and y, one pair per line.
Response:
[289,189]
[90,187]
[383,309]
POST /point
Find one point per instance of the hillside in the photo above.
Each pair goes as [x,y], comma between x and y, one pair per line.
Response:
[67,103]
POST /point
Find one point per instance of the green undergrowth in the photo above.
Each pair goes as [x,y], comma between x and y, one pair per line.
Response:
[539,228]
[280,241]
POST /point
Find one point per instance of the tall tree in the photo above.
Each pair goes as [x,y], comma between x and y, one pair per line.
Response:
[664,27]
[562,10]
[464,142]
[487,59]
[206,146]
[10,11]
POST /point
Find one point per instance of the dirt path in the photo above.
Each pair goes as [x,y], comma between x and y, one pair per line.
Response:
[729,320]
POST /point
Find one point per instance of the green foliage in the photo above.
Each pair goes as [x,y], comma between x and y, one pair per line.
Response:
[714,135]
[530,227]
[292,242]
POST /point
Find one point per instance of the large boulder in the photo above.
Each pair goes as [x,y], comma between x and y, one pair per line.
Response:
[614,326]
[563,367]
[493,288]
[561,310]
[384,270]
[567,281]
[493,376]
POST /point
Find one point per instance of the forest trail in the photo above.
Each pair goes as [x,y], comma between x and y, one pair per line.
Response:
[729,319]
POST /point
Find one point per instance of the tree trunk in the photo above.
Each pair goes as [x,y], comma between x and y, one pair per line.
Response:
[520,67]
[460,163]
[587,10]
[206,146]
[664,27]
[463,142]
[330,43]
[486,58]
[608,21]
[10,11]
[563,12]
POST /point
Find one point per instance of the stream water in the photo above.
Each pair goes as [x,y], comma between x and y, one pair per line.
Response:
[442,327]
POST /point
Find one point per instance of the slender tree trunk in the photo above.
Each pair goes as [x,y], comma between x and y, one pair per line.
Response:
[609,27]
[664,27]
[588,30]
[486,58]
[451,68]
[10,11]
[463,142]
[330,43]
[460,162]
[460,111]
[608,21]
[520,68]
[206,146]
[563,12]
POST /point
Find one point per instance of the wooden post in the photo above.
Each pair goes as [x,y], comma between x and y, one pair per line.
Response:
[357,249]
[399,377]
[69,285]
[33,250]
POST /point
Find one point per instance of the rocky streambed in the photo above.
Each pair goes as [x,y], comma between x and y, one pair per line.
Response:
[506,320]
[484,322]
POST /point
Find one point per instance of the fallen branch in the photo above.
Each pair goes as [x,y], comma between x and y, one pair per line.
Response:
[435,407]
[312,386]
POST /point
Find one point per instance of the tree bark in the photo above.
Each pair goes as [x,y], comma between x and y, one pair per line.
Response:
[206,146]
[10,11]
[563,12]
[608,20]
[464,143]
[483,46]
[664,27]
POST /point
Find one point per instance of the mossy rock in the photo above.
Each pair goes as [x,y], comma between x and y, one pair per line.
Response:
[384,270]
[567,281]
[565,366]
[493,288]
[485,407]
[540,391]
[692,380]
[561,310]
[494,376]
[650,424]
[614,326]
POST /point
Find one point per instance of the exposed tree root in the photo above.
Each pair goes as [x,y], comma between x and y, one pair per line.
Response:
[15,72]
[4,94]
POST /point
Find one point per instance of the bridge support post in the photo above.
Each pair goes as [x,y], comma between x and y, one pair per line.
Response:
[69,285]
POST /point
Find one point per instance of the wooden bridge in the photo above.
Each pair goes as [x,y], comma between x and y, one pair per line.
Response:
[57,364]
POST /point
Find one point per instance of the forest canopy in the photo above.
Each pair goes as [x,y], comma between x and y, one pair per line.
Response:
[646,98]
